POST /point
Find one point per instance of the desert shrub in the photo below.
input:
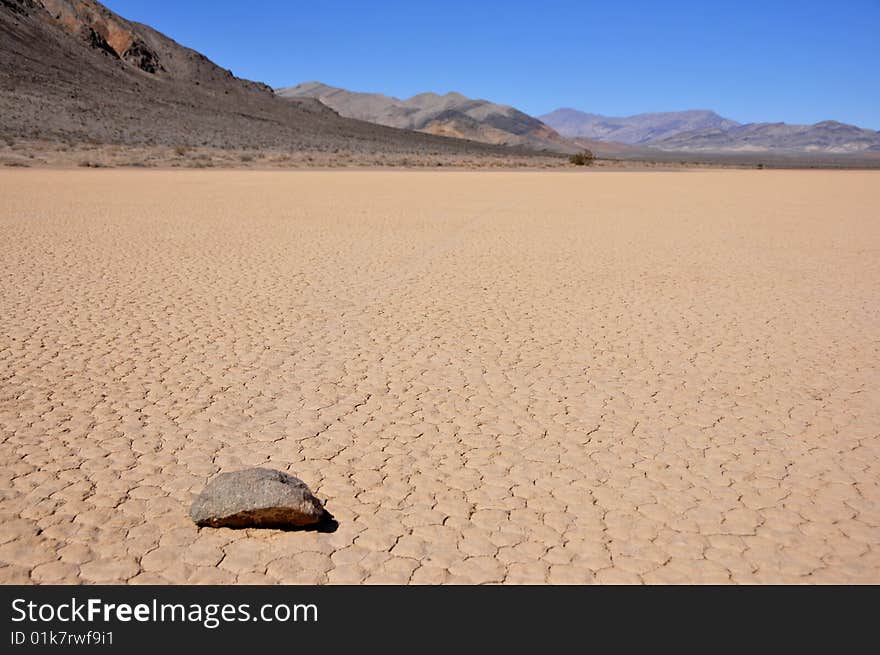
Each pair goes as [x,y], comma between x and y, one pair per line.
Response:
[246,158]
[180,151]
[584,158]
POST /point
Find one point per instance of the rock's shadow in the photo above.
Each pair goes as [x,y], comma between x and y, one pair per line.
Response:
[244,521]
[327,523]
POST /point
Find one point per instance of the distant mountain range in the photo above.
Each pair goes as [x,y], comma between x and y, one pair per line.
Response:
[451,114]
[569,130]
[706,131]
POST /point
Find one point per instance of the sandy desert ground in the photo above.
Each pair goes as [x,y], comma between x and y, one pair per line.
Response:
[515,377]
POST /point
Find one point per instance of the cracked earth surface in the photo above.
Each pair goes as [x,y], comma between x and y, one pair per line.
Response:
[487,377]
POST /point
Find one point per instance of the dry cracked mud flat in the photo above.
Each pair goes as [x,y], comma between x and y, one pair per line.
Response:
[488,377]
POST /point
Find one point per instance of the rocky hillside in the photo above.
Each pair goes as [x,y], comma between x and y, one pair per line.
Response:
[451,114]
[72,71]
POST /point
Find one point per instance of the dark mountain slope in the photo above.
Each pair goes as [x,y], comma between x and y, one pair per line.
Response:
[72,70]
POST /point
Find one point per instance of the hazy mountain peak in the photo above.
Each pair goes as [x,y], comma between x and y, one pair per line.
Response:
[636,129]
[315,86]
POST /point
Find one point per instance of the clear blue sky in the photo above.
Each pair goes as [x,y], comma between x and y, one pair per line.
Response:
[798,62]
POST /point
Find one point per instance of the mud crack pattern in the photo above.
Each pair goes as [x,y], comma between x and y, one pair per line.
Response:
[487,377]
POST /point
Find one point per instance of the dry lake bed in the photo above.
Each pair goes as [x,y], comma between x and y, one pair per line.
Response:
[517,377]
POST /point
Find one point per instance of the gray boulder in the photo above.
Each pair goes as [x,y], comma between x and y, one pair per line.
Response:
[256,498]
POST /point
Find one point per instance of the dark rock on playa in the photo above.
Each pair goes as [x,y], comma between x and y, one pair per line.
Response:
[256,498]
